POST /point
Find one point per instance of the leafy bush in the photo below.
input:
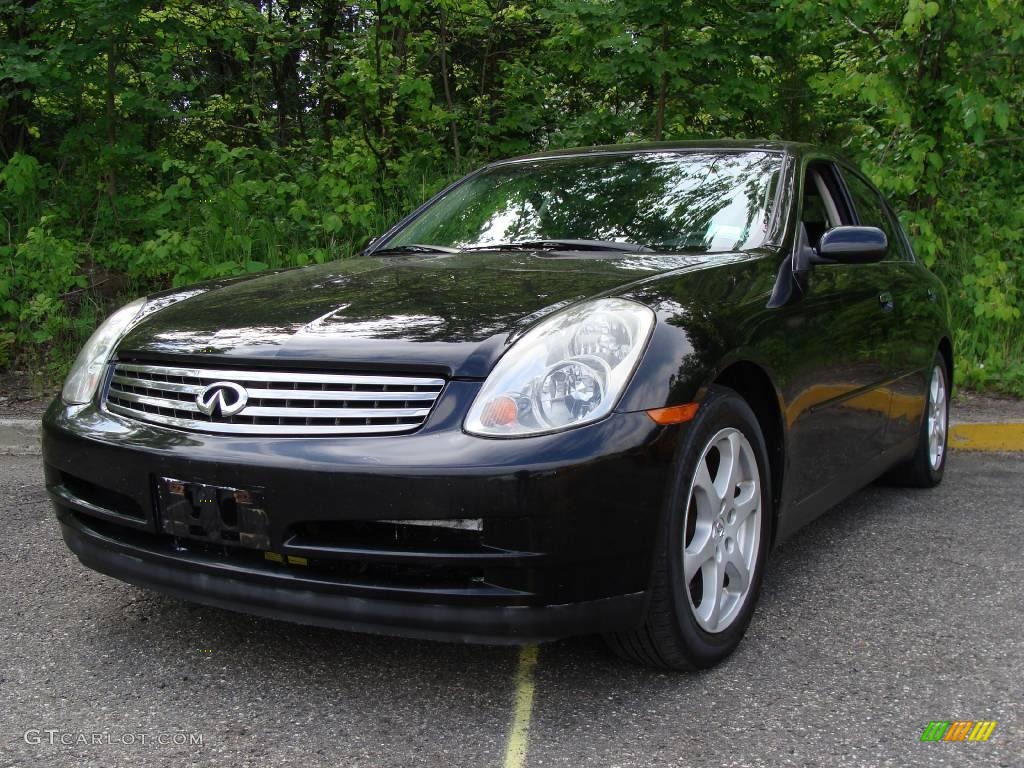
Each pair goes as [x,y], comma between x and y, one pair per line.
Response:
[144,145]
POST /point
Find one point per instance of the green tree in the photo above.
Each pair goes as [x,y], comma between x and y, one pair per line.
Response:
[146,144]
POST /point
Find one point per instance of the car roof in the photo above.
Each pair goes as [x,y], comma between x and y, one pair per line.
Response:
[716,145]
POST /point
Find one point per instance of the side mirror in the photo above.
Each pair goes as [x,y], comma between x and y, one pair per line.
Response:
[853,245]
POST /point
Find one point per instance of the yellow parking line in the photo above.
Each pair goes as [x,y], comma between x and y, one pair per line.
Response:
[987,437]
[519,734]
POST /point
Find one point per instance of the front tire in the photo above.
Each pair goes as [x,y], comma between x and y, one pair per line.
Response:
[714,538]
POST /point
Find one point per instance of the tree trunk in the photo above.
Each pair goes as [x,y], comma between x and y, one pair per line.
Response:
[292,106]
[14,118]
[111,116]
[659,117]
[453,125]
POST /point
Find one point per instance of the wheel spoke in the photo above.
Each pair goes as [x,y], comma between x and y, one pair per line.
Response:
[739,574]
[728,467]
[748,501]
[694,559]
[718,580]
[702,481]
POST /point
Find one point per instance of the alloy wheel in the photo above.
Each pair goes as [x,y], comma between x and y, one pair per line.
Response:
[937,418]
[722,531]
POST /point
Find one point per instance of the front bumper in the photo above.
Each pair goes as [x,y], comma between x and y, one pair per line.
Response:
[292,598]
[565,545]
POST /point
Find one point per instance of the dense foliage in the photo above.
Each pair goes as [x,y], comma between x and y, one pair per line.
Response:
[145,144]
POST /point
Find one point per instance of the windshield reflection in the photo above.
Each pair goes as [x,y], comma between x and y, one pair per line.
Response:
[668,201]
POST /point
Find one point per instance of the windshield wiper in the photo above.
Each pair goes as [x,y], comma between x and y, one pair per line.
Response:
[414,248]
[563,245]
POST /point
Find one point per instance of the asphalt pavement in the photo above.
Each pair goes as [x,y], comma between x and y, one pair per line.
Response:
[897,608]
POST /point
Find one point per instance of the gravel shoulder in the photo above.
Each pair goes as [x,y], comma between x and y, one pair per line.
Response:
[978,408]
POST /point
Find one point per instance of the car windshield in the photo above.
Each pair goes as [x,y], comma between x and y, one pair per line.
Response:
[661,201]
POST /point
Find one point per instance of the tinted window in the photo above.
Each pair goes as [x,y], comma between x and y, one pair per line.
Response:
[667,201]
[873,213]
[901,245]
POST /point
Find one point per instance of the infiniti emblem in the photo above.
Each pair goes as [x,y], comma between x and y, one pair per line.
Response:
[222,398]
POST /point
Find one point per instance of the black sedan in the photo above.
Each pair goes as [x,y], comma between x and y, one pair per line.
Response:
[575,392]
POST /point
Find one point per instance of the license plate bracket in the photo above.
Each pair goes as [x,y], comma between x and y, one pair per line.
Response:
[233,517]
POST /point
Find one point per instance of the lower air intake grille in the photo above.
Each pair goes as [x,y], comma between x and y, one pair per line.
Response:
[270,402]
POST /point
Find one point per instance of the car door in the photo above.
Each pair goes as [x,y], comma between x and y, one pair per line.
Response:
[837,402]
[909,348]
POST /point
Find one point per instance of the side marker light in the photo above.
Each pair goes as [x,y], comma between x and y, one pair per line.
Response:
[675,414]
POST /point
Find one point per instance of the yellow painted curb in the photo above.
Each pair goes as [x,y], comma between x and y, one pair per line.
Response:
[987,437]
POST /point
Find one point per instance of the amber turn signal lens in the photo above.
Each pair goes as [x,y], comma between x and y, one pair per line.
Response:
[500,412]
[675,414]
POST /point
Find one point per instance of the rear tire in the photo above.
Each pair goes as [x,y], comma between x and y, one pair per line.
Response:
[711,550]
[926,467]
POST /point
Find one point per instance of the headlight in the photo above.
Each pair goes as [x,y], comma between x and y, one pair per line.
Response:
[568,370]
[87,370]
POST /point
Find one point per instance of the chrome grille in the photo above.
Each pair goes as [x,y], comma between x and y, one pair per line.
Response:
[279,402]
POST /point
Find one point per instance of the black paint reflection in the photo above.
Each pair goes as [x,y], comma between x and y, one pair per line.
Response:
[431,310]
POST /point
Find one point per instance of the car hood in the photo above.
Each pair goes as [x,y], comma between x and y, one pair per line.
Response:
[448,314]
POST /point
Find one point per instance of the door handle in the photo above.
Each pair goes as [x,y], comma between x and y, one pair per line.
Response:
[885,299]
